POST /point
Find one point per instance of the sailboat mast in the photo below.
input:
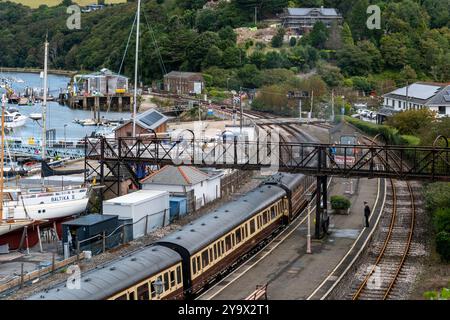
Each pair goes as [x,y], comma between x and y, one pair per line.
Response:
[136,67]
[2,156]
[44,105]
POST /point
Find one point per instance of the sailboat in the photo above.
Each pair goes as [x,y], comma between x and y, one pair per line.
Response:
[23,212]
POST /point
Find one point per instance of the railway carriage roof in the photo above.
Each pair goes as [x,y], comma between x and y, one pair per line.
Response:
[111,278]
[205,230]
[290,180]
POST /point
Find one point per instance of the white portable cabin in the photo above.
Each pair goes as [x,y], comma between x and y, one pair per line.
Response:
[148,209]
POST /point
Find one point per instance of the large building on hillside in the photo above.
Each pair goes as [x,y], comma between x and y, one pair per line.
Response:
[419,95]
[302,20]
[184,82]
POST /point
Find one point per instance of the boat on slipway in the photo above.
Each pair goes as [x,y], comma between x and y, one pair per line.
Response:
[22,213]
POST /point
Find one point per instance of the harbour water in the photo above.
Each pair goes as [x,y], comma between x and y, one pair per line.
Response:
[59,117]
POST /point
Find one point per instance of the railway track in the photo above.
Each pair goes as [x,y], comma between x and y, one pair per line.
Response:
[382,277]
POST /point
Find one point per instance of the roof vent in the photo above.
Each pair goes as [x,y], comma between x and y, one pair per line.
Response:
[262,191]
[154,249]
[203,224]
[245,200]
[178,238]
[192,230]
[227,210]
[216,217]
[86,280]
[133,259]
[112,268]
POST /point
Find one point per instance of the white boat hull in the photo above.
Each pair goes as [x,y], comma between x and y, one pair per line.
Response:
[20,122]
[47,206]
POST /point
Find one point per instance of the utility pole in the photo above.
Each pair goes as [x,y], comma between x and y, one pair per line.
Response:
[44,107]
[4,100]
[308,236]
[136,67]
[240,107]
[332,105]
[300,109]
[312,104]
[407,98]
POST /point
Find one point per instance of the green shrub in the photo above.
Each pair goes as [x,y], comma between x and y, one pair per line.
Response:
[443,245]
[437,195]
[444,294]
[340,203]
[441,220]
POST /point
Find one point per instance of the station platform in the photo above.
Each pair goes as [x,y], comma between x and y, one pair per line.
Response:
[292,274]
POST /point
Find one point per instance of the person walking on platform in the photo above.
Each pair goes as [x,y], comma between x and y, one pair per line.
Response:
[366,213]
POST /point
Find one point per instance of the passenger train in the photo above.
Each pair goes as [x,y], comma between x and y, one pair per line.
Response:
[181,264]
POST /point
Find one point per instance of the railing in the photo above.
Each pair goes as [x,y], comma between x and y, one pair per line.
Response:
[102,241]
[259,293]
[401,162]
[69,148]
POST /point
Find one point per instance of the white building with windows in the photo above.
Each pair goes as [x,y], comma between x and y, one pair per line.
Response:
[204,186]
[419,95]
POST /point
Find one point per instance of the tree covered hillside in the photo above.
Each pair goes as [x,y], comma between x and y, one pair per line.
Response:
[414,41]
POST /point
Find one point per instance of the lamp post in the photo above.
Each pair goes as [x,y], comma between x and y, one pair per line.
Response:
[65,144]
[308,236]
[159,286]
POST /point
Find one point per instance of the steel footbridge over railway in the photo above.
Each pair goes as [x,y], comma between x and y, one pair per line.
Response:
[373,161]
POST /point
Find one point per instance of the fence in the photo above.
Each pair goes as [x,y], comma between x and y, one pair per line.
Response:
[100,242]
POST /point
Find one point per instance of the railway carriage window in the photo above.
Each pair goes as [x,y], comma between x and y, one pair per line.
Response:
[198,263]
[122,297]
[265,217]
[166,281]
[222,247]
[178,274]
[227,243]
[232,240]
[238,236]
[153,289]
[205,258]
[142,292]
[211,254]
[132,296]
[273,214]
[252,226]
[172,278]
[194,266]
[215,251]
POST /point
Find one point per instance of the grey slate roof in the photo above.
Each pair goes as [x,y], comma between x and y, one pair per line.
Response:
[172,175]
[307,11]
[180,74]
[441,99]
[387,111]
[105,281]
[419,92]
